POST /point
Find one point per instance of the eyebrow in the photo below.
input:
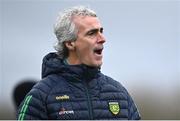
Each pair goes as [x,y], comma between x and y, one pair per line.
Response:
[95,30]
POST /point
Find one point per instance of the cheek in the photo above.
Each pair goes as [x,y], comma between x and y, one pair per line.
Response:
[85,51]
[85,54]
[84,48]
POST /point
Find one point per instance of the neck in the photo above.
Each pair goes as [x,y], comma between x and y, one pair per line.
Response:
[71,60]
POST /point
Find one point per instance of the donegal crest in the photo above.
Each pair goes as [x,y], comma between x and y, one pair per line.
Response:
[114,107]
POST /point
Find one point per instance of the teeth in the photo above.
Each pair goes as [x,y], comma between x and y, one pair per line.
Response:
[98,50]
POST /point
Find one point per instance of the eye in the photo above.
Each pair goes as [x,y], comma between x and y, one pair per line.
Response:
[94,32]
[101,30]
[91,33]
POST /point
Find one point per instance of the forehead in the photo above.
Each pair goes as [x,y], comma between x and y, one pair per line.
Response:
[86,22]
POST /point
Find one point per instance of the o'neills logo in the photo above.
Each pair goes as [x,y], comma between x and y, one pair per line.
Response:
[64,97]
[63,111]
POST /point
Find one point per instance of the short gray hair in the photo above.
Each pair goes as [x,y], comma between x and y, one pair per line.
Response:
[65,29]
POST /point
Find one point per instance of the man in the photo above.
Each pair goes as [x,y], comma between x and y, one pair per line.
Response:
[72,86]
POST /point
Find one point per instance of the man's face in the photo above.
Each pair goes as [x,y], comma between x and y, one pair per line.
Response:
[89,43]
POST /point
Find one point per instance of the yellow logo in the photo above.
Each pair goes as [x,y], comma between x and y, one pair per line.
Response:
[114,107]
[64,97]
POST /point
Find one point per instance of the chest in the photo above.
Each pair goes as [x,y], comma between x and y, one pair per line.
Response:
[81,102]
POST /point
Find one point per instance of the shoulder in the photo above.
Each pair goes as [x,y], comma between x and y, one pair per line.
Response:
[44,87]
[46,84]
[34,104]
[110,82]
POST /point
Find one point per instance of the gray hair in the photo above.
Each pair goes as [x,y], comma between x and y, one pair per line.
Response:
[65,29]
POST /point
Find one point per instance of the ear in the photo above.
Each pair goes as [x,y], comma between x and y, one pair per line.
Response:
[70,45]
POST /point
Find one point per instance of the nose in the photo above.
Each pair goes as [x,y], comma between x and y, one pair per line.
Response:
[101,39]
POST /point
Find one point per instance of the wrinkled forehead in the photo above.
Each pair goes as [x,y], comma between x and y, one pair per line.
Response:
[85,22]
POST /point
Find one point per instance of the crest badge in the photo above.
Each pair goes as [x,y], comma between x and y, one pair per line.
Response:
[114,107]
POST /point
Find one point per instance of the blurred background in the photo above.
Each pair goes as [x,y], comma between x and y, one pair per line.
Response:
[142,50]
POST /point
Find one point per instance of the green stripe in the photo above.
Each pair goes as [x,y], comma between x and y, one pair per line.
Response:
[24,108]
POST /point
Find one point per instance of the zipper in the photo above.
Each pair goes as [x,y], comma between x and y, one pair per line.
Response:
[89,102]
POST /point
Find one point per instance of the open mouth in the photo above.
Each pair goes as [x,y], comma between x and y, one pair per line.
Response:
[98,51]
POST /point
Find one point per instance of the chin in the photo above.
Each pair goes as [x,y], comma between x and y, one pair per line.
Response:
[94,63]
[98,64]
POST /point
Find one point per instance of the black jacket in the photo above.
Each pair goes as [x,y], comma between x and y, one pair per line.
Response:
[76,92]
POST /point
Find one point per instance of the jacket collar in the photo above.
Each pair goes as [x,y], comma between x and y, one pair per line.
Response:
[52,64]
